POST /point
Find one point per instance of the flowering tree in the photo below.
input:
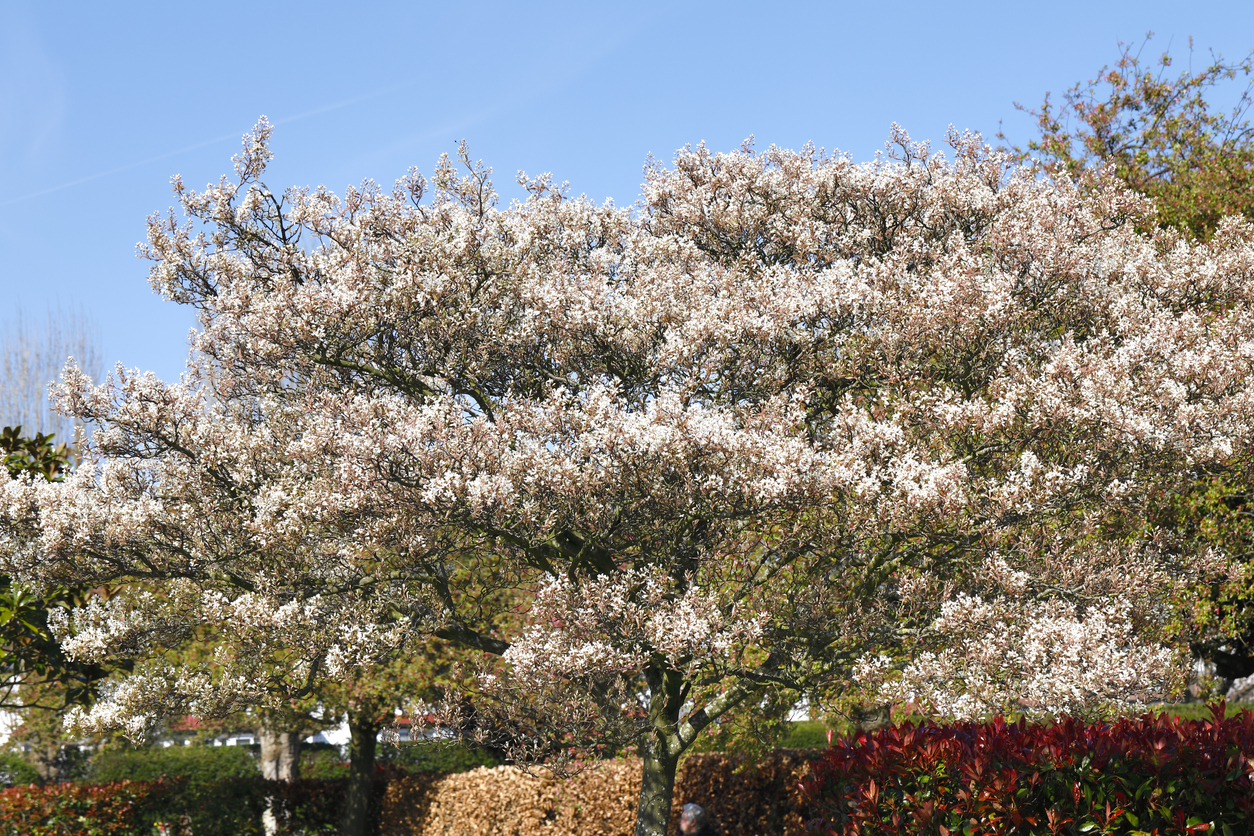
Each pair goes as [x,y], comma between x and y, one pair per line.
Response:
[788,422]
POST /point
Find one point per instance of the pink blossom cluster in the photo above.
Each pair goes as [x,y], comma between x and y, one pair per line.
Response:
[1039,658]
[614,624]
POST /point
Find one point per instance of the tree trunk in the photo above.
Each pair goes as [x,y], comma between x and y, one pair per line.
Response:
[280,761]
[48,762]
[660,753]
[657,788]
[280,754]
[363,729]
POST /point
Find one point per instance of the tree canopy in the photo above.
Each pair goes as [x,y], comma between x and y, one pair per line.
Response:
[37,673]
[1164,136]
[791,422]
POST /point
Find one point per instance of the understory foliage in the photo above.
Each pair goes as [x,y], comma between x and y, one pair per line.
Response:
[30,654]
[790,425]
[744,797]
[39,679]
[1153,775]
[120,809]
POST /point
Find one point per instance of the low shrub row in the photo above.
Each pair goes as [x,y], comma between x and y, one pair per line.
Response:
[213,790]
[121,808]
[745,798]
[232,807]
[1153,775]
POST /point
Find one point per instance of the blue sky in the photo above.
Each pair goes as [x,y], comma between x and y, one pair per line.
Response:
[101,103]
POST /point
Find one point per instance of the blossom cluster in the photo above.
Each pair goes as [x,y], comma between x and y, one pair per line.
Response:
[615,624]
[1045,658]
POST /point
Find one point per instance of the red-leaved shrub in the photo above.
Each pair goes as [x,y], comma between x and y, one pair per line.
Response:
[121,808]
[1153,775]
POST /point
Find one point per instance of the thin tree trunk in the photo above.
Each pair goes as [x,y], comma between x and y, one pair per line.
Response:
[280,754]
[280,761]
[47,762]
[289,756]
[363,729]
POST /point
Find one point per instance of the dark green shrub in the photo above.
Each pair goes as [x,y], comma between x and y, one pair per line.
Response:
[225,808]
[220,788]
[320,761]
[444,757]
[15,771]
[199,764]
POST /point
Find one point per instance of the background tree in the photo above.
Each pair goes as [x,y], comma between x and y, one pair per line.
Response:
[789,423]
[1159,133]
[31,357]
[39,680]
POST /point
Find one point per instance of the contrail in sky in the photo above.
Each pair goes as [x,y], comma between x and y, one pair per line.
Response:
[215,140]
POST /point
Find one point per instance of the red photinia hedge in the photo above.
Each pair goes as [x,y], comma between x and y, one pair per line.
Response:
[1153,775]
[121,808]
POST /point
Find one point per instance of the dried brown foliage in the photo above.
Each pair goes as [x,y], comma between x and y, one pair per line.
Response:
[745,799]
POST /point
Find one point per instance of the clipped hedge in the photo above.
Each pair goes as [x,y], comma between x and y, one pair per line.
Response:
[198,764]
[745,799]
[601,801]
[1152,775]
[217,788]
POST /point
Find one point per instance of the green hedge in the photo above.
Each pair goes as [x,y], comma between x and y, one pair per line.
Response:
[441,756]
[804,734]
[198,764]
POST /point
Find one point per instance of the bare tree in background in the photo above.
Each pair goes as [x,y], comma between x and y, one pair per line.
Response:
[32,354]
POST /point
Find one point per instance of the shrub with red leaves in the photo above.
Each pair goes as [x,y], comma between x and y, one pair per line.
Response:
[229,807]
[1153,775]
[121,808]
